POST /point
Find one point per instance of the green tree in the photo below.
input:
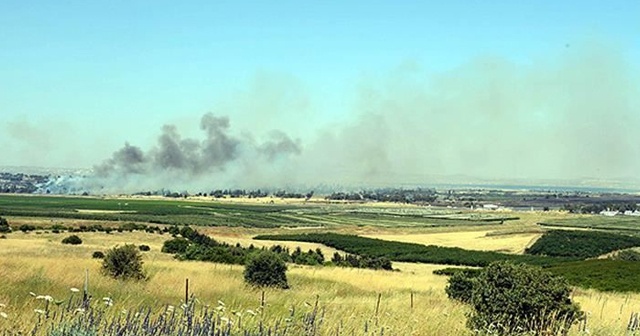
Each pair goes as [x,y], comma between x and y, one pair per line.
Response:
[4,226]
[123,262]
[72,240]
[460,286]
[510,299]
[266,269]
[175,245]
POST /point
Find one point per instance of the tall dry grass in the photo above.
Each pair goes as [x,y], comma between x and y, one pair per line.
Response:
[410,301]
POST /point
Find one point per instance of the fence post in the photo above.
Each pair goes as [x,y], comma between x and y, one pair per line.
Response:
[186,292]
[411,300]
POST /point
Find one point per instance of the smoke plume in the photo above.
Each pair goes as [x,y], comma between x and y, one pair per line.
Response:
[190,161]
[574,116]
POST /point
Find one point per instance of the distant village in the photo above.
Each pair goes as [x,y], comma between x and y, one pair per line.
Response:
[605,203]
[19,183]
[612,213]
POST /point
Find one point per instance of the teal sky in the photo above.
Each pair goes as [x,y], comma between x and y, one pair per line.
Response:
[79,78]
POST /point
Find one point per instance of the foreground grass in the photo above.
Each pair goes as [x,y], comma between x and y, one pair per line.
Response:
[39,264]
[348,297]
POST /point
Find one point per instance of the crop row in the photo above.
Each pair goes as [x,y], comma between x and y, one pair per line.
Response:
[581,244]
[409,252]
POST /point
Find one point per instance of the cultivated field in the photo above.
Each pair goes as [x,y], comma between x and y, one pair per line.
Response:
[348,298]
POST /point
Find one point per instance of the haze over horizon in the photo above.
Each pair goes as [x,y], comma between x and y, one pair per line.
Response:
[252,94]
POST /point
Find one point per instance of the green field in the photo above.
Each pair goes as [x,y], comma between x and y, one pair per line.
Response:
[617,223]
[180,212]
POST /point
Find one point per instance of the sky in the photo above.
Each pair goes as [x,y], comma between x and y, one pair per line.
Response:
[258,92]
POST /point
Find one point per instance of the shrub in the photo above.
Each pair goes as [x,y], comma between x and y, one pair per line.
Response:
[266,269]
[26,228]
[123,262]
[97,255]
[175,245]
[72,240]
[460,286]
[144,248]
[4,226]
[510,299]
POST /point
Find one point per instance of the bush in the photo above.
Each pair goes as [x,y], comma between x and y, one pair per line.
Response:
[4,226]
[175,245]
[124,262]
[144,248]
[460,286]
[97,255]
[510,299]
[26,228]
[266,269]
[72,240]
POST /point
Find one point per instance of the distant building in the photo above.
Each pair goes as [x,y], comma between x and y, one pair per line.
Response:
[608,213]
[490,207]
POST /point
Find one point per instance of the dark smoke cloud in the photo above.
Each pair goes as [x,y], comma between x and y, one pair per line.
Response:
[182,159]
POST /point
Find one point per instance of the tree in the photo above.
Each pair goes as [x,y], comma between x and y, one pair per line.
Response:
[4,226]
[266,269]
[510,299]
[72,240]
[175,245]
[460,286]
[123,262]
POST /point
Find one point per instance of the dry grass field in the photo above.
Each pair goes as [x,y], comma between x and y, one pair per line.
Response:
[37,262]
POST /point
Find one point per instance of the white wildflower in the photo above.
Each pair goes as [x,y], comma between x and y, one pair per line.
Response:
[3,314]
[75,290]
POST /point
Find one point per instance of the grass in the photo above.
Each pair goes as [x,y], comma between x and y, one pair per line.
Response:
[39,263]
[481,240]
[346,295]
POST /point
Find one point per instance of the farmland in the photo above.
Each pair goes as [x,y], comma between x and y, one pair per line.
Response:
[254,214]
[352,300]
[630,224]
